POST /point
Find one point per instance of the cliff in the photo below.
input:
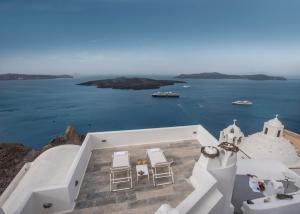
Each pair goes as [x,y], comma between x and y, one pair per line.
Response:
[14,156]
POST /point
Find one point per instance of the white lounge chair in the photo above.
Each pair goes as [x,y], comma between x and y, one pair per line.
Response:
[161,168]
[120,172]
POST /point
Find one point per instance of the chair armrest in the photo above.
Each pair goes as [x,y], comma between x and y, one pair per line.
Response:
[162,164]
[114,169]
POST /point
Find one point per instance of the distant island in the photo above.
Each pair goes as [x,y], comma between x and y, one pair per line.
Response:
[216,75]
[130,83]
[31,76]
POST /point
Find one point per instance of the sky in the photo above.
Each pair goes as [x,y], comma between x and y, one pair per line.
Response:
[150,36]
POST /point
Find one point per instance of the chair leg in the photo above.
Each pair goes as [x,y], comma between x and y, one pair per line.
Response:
[110,182]
[172,176]
[153,176]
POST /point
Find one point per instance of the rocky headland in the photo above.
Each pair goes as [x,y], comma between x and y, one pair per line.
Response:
[11,76]
[216,75]
[14,156]
[130,83]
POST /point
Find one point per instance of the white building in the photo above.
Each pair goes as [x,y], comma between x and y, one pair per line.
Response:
[75,179]
[267,144]
[232,134]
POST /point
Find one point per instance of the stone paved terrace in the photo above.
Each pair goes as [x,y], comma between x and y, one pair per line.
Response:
[95,197]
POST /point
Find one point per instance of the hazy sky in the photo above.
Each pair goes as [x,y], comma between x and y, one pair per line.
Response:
[150,36]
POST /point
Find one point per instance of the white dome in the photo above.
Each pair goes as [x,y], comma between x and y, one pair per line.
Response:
[260,146]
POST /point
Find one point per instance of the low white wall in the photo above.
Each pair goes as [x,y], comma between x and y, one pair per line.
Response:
[213,180]
[63,197]
[58,197]
[29,206]
[143,136]
[225,184]
[78,168]
[14,183]
[203,182]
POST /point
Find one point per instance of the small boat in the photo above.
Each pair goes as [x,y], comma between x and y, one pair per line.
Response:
[165,94]
[242,102]
[186,86]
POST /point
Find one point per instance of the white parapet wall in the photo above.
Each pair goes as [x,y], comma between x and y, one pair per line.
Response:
[43,186]
[200,200]
[78,168]
[101,140]
[14,183]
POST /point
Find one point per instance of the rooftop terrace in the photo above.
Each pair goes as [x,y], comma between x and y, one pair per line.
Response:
[95,197]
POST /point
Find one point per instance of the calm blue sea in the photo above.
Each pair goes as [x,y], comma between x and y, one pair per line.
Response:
[32,112]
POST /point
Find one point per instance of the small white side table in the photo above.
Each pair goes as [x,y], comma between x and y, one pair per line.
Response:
[143,168]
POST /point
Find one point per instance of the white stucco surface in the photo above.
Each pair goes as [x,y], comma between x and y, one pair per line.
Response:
[261,146]
[269,143]
[48,170]
[231,134]
[264,169]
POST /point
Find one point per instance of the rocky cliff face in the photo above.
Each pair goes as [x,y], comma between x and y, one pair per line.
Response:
[14,156]
[70,137]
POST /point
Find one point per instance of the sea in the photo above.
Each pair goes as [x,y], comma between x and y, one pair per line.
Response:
[33,112]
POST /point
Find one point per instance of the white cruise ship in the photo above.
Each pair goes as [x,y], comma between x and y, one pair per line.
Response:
[242,102]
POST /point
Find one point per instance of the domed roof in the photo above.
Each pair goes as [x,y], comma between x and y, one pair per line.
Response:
[260,146]
[275,122]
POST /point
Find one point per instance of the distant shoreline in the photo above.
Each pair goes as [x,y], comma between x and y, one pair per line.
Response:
[216,75]
[11,76]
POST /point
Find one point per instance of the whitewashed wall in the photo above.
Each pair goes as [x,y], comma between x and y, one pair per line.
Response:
[213,180]
[199,200]
[78,168]
[58,197]
[143,136]
[14,183]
